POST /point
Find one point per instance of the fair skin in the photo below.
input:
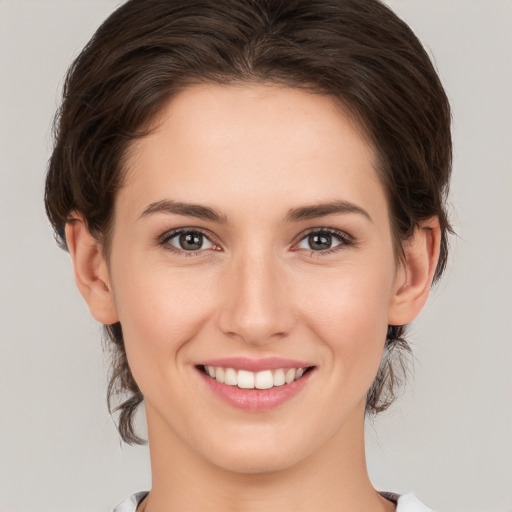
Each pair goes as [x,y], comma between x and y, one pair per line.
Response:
[265,277]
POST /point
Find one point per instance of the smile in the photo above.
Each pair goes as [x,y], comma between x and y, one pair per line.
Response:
[246,379]
[255,385]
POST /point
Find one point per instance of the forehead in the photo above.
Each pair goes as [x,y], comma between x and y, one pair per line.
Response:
[230,145]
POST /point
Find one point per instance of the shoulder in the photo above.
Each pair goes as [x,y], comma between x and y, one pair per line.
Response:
[409,503]
[130,504]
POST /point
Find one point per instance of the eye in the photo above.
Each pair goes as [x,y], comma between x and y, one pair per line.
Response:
[190,241]
[323,240]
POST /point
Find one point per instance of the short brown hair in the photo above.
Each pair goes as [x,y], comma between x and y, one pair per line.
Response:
[357,51]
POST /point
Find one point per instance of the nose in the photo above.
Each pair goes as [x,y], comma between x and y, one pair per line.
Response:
[256,304]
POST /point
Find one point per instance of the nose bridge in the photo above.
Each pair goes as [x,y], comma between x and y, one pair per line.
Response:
[256,305]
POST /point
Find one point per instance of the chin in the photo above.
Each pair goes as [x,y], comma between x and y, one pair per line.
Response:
[256,452]
[253,463]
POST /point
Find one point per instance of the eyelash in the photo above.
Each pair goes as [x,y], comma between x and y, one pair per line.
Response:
[163,241]
[344,239]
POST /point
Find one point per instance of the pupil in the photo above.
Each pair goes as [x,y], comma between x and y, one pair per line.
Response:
[320,242]
[191,241]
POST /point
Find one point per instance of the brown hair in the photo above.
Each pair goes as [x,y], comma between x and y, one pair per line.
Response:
[357,51]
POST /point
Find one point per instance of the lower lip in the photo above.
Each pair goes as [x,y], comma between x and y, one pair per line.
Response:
[256,399]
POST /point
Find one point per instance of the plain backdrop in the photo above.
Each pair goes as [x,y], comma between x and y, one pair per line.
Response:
[449,438]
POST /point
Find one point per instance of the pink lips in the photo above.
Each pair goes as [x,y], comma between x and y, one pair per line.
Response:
[255,365]
[255,399]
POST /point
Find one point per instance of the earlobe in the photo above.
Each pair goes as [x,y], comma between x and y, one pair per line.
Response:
[416,272]
[91,271]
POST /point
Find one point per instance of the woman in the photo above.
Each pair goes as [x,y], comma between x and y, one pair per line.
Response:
[252,194]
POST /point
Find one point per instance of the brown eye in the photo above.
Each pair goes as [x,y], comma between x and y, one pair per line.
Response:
[319,241]
[323,240]
[189,241]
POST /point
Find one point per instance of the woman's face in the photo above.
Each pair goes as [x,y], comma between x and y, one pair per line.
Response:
[252,238]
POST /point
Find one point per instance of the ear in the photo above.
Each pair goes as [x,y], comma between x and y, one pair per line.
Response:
[91,271]
[416,272]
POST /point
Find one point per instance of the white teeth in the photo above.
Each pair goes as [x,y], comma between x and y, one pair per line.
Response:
[220,375]
[231,378]
[290,375]
[246,379]
[263,380]
[279,378]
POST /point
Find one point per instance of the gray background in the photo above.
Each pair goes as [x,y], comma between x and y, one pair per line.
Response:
[449,438]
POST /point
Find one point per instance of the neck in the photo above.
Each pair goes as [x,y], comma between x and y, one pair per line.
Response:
[334,478]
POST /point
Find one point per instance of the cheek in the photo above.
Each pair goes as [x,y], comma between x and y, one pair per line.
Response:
[159,312]
[349,315]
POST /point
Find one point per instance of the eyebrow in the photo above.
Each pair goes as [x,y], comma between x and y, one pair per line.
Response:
[323,209]
[186,209]
[294,215]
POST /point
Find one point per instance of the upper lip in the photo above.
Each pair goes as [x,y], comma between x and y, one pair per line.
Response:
[255,365]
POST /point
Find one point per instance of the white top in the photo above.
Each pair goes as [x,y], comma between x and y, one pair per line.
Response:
[405,503]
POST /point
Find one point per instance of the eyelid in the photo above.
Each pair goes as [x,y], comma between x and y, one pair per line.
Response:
[165,237]
[346,239]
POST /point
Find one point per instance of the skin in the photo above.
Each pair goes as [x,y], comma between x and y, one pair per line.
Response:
[255,289]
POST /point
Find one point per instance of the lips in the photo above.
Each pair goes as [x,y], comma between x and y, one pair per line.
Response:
[255,385]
